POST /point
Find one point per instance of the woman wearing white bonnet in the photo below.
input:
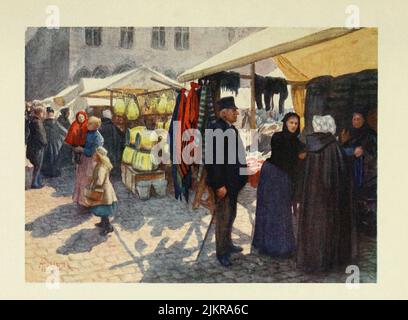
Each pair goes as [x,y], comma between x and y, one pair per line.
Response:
[326,224]
[324,124]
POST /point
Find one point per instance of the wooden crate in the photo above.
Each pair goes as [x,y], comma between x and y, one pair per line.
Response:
[130,177]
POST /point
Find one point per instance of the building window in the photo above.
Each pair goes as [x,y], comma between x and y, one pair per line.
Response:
[182,38]
[231,34]
[93,36]
[158,38]
[126,37]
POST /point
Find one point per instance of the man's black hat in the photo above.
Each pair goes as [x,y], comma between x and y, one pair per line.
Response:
[50,110]
[227,103]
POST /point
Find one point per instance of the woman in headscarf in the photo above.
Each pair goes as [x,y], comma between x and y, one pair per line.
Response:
[360,144]
[76,135]
[273,225]
[326,236]
[55,137]
[86,166]
[105,207]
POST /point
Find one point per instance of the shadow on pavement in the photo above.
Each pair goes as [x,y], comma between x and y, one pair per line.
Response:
[82,241]
[63,217]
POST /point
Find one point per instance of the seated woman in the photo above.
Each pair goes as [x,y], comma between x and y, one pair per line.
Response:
[105,207]
[84,170]
[273,224]
[326,237]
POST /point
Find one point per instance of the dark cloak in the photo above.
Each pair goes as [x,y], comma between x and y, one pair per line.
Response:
[37,140]
[55,137]
[327,232]
[63,118]
[365,167]
[114,142]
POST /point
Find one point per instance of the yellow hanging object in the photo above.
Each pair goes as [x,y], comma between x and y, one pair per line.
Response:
[162,107]
[132,112]
[154,103]
[120,107]
[167,125]
[170,105]
[128,155]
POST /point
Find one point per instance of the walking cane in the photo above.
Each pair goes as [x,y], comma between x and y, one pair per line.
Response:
[205,237]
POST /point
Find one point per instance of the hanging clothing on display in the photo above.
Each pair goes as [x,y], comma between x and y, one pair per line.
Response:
[181,184]
[268,86]
[206,118]
[188,119]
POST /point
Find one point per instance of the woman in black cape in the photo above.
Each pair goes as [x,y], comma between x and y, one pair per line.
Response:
[327,233]
[273,224]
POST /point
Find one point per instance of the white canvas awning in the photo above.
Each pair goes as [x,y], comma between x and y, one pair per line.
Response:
[137,80]
[264,44]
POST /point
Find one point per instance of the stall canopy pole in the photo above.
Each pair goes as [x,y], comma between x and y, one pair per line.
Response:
[253,113]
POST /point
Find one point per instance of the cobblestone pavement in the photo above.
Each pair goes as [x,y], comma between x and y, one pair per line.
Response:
[153,241]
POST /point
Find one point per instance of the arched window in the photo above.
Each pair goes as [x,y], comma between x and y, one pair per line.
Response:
[124,68]
[100,72]
[81,73]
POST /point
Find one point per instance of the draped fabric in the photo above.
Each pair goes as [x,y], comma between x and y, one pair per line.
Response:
[181,184]
[188,119]
[55,137]
[327,228]
[206,118]
[298,98]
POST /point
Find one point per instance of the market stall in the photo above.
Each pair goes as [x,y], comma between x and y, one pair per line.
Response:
[302,54]
[146,120]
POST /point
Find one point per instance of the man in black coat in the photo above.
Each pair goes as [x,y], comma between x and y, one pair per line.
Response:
[27,118]
[226,175]
[63,118]
[36,143]
[113,140]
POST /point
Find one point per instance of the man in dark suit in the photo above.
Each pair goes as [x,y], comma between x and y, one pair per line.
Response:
[37,140]
[226,175]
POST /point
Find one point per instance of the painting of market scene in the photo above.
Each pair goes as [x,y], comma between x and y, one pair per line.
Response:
[201,155]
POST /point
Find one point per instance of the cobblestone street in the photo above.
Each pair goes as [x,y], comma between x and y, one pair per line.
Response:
[154,241]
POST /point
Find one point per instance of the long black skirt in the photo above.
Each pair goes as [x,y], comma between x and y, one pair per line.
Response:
[273,223]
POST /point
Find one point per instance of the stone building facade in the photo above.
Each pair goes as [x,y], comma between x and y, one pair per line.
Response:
[56,58]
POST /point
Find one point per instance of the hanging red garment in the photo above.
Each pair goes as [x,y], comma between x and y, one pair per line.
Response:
[76,135]
[193,105]
[188,119]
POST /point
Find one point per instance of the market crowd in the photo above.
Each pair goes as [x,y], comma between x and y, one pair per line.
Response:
[319,183]
[89,145]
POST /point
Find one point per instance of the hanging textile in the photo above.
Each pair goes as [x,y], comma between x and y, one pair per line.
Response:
[188,119]
[206,117]
[298,98]
[226,80]
[173,133]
